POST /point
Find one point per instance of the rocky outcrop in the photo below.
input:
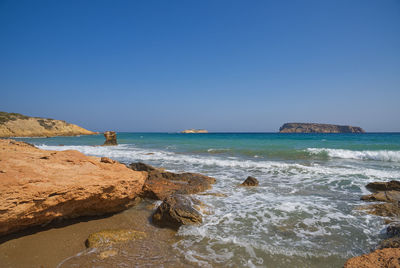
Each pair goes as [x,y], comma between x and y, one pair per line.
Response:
[160,184]
[387,253]
[194,131]
[39,186]
[384,186]
[388,258]
[318,128]
[387,192]
[18,125]
[111,138]
[176,210]
[107,238]
[250,181]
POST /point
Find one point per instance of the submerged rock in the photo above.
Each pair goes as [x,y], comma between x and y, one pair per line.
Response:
[391,210]
[161,184]
[111,138]
[388,258]
[393,229]
[176,210]
[393,242]
[250,181]
[110,237]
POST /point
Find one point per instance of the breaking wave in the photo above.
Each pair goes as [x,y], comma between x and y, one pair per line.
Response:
[381,155]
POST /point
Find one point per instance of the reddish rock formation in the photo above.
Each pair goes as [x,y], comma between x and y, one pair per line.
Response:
[38,186]
[161,184]
[385,258]
[111,138]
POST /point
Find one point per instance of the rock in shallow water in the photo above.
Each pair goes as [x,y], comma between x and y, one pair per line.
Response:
[110,237]
[176,210]
[111,138]
[160,184]
[250,181]
[384,186]
[385,196]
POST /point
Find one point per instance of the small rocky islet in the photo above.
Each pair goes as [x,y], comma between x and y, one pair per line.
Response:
[318,128]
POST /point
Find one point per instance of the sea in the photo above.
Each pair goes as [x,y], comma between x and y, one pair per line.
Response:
[305,211]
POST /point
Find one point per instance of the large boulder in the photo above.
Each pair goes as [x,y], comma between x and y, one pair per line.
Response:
[111,138]
[161,184]
[388,258]
[176,210]
[39,186]
[250,181]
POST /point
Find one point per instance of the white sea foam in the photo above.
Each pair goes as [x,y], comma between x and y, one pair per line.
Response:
[381,155]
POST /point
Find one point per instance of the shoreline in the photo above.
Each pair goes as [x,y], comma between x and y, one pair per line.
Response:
[53,201]
[61,244]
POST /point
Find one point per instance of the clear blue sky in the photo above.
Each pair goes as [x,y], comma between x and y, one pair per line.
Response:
[222,65]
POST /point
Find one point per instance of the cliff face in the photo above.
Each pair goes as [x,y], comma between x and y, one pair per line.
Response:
[194,131]
[318,128]
[18,125]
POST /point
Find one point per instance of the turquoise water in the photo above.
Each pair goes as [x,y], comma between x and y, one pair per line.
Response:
[303,214]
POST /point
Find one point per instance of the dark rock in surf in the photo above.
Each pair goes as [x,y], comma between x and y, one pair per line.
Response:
[176,210]
[250,181]
[393,229]
[384,186]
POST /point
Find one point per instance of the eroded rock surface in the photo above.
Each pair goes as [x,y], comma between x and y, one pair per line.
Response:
[111,138]
[384,186]
[384,258]
[38,186]
[177,210]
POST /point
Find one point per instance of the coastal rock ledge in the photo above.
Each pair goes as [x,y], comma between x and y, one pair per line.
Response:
[318,128]
[19,125]
[39,186]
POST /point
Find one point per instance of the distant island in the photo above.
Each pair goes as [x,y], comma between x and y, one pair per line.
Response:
[194,131]
[318,128]
[19,125]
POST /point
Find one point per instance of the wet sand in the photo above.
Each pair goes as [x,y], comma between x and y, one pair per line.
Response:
[61,245]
